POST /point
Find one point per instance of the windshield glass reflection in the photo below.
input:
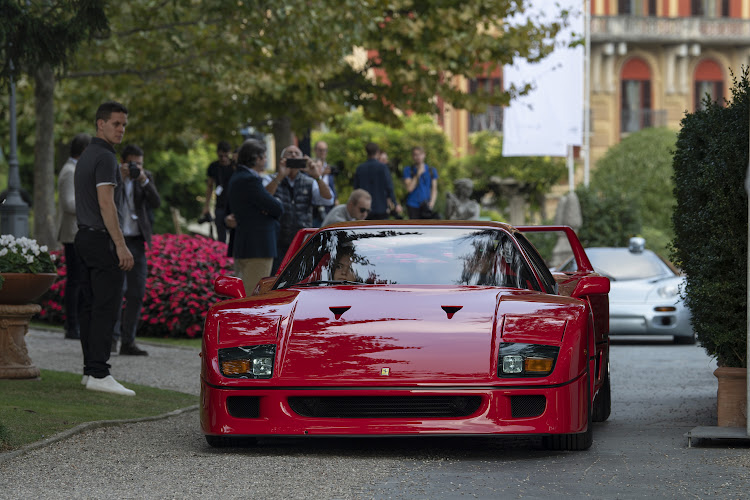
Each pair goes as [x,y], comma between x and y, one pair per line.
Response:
[413,256]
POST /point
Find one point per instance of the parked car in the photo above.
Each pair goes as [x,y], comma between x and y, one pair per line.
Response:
[409,328]
[644,297]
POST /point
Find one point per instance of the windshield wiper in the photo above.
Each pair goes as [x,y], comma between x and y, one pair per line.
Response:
[326,282]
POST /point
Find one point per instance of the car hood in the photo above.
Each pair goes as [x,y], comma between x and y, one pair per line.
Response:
[643,291]
[396,334]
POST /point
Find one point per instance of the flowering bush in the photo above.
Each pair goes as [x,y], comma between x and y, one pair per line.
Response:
[179,286]
[23,255]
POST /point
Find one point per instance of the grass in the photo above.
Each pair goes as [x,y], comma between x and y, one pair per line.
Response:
[31,410]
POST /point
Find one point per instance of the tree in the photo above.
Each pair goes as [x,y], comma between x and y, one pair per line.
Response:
[36,38]
[189,68]
[638,171]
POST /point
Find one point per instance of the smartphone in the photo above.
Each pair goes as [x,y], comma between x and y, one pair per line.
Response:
[296,163]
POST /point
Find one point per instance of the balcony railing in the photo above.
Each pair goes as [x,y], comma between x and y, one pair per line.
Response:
[492,119]
[721,31]
[633,120]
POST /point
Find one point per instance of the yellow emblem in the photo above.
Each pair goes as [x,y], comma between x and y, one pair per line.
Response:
[385,371]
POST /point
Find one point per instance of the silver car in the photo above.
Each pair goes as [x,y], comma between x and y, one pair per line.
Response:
[644,297]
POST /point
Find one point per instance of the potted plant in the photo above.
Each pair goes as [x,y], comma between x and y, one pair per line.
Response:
[26,272]
[710,222]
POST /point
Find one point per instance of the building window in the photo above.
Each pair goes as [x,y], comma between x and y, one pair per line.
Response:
[710,8]
[635,109]
[492,118]
[636,7]
[709,81]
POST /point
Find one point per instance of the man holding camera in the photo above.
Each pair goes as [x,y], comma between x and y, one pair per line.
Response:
[139,197]
[321,211]
[298,192]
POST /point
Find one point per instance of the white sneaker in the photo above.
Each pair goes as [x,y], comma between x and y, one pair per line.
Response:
[108,384]
[84,380]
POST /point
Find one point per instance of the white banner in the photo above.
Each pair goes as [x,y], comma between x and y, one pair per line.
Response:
[550,117]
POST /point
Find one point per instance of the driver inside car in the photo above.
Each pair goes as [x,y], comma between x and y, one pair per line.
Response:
[342,268]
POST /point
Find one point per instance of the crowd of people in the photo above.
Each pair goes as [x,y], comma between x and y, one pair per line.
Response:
[107,212]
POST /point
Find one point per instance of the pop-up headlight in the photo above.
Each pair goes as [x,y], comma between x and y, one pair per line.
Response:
[526,360]
[247,361]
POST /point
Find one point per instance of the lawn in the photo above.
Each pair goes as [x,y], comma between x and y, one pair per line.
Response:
[31,410]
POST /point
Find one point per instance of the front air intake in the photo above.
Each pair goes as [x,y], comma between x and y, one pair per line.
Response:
[527,406]
[385,406]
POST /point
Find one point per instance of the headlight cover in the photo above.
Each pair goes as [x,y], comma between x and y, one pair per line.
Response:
[526,360]
[248,361]
[668,291]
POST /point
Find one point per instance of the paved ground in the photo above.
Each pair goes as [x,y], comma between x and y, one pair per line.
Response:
[660,391]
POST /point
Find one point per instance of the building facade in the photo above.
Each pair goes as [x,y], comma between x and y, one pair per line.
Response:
[651,61]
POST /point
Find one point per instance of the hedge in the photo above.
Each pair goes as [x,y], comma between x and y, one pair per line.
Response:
[710,222]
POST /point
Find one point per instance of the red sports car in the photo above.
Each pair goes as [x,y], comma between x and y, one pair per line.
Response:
[410,328]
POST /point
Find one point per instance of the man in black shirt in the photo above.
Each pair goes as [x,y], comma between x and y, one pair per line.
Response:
[101,246]
[217,182]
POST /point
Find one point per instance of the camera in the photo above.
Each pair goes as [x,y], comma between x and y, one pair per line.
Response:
[296,163]
[135,172]
[206,218]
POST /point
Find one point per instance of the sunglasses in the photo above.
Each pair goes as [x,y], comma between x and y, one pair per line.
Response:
[363,210]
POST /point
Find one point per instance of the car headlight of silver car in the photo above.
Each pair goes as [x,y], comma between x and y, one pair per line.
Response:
[248,361]
[668,291]
[526,360]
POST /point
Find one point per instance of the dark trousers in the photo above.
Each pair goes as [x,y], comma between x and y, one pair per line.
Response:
[221,229]
[101,299]
[73,278]
[374,216]
[133,290]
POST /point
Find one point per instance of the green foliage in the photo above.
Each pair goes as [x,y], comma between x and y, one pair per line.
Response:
[639,171]
[346,146]
[180,179]
[34,33]
[538,174]
[608,221]
[710,222]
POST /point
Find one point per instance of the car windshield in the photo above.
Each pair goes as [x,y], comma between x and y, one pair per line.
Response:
[621,264]
[410,256]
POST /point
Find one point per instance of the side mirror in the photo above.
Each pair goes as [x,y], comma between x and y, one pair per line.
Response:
[229,286]
[264,285]
[591,285]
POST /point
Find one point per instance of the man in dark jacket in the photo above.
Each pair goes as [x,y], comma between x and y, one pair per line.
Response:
[375,178]
[139,196]
[256,213]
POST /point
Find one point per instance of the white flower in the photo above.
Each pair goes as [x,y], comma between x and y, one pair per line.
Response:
[3,252]
[30,259]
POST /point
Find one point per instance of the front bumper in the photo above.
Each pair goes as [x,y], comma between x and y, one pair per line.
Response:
[564,412]
[643,319]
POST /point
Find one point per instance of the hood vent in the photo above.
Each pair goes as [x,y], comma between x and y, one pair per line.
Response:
[338,311]
[451,310]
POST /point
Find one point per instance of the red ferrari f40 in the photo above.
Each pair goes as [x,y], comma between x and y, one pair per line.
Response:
[410,328]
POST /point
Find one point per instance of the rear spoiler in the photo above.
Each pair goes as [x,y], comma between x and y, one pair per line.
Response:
[582,260]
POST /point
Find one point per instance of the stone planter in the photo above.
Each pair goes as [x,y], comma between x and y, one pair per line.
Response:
[22,288]
[732,396]
[17,291]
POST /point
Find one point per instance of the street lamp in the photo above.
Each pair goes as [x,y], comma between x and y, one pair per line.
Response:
[14,212]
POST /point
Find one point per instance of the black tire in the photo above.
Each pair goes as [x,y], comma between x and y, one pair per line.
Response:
[573,442]
[684,340]
[603,400]
[230,442]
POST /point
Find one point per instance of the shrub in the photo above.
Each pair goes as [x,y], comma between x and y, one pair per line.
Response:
[710,222]
[179,287]
[608,221]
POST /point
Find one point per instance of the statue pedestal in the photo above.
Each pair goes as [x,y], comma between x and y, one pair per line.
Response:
[14,324]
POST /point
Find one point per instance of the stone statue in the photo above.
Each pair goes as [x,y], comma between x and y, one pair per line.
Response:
[460,206]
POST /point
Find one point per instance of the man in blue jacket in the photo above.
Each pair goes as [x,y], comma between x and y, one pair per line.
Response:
[256,213]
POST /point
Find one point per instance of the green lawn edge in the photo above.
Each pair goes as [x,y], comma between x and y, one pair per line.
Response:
[32,410]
